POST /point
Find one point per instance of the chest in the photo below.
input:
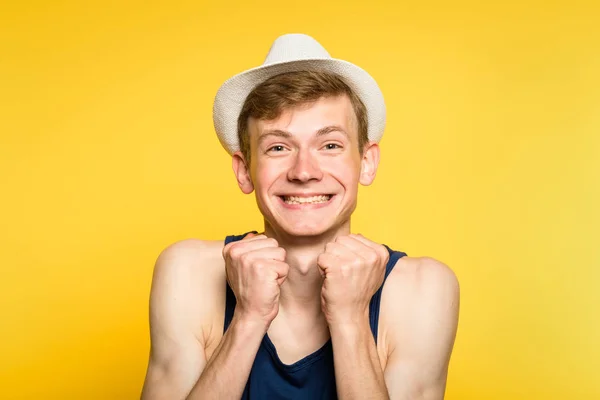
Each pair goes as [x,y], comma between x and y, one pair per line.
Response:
[291,344]
[312,377]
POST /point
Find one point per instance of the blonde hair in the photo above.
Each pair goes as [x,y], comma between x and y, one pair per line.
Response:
[281,92]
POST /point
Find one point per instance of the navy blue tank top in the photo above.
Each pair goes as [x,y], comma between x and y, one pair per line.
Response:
[312,377]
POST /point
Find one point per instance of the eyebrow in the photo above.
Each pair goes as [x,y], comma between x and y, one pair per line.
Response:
[283,134]
[275,132]
[332,128]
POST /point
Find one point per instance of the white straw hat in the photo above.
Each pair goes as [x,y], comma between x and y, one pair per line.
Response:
[289,53]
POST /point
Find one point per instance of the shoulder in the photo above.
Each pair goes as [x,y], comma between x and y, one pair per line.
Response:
[188,280]
[421,293]
[184,252]
[422,276]
[418,283]
[189,258]
[189,264]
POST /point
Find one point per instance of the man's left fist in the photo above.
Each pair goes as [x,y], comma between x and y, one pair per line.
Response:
[353,268]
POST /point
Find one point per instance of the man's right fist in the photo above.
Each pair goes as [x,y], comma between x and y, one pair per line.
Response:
[256,268]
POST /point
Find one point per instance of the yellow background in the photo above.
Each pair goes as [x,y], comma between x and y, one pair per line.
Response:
[491,163]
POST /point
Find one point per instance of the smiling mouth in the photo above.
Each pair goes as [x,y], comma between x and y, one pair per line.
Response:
[306,200]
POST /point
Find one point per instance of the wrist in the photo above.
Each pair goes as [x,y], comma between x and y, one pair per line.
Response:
[350,325]
[250,324]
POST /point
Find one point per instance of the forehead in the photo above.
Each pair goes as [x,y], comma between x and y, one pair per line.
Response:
[307,119]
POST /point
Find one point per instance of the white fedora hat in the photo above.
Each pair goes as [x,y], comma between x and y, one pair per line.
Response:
[290,53]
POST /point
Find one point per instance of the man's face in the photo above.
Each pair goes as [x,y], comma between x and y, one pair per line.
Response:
[306,166]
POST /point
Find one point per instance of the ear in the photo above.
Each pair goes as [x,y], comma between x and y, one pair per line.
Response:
[369,163]
[242,172]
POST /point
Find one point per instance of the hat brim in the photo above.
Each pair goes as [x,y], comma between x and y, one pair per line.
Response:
[232,94]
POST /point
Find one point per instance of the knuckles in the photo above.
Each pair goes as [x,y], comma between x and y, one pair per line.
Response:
[227,250]
[346,269]
[321,259]
[271,242]
[372,258]
[338,255]
[282,253]
[341,239]
[329,247]
[259,265]
[235,252]
[242,257]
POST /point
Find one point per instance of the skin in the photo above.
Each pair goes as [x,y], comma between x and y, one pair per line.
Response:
[303,281]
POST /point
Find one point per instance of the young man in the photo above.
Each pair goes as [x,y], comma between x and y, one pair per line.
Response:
[300,310]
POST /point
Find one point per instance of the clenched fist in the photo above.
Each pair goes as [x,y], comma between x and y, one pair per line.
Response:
[256,268]
[353,268]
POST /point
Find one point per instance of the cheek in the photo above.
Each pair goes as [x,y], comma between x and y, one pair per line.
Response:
[346,171]
[346,175]
[351,182]
[265,175]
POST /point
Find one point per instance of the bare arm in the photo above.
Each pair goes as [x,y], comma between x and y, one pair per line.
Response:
[182,302]
[177,345]
[183,289]
[421,306]
[227,371]
[353,268]
[358,372]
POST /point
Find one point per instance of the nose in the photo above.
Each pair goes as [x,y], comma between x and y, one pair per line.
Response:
[305,167]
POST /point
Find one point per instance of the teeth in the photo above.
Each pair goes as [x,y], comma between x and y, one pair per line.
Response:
[306,200]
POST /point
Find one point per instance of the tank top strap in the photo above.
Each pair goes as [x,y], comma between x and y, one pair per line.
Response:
[376,299]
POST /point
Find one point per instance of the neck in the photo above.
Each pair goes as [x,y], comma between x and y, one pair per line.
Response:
[301,292]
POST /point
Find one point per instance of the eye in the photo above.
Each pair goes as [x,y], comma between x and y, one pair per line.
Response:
[277,148]
[332,146]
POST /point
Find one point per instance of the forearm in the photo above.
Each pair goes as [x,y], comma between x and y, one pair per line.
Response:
[358,372]
[226,373]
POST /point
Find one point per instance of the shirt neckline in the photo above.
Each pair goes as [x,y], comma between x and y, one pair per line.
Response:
[300,364]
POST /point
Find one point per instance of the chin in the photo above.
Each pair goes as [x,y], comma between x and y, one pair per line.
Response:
[307,228]
[305,231]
